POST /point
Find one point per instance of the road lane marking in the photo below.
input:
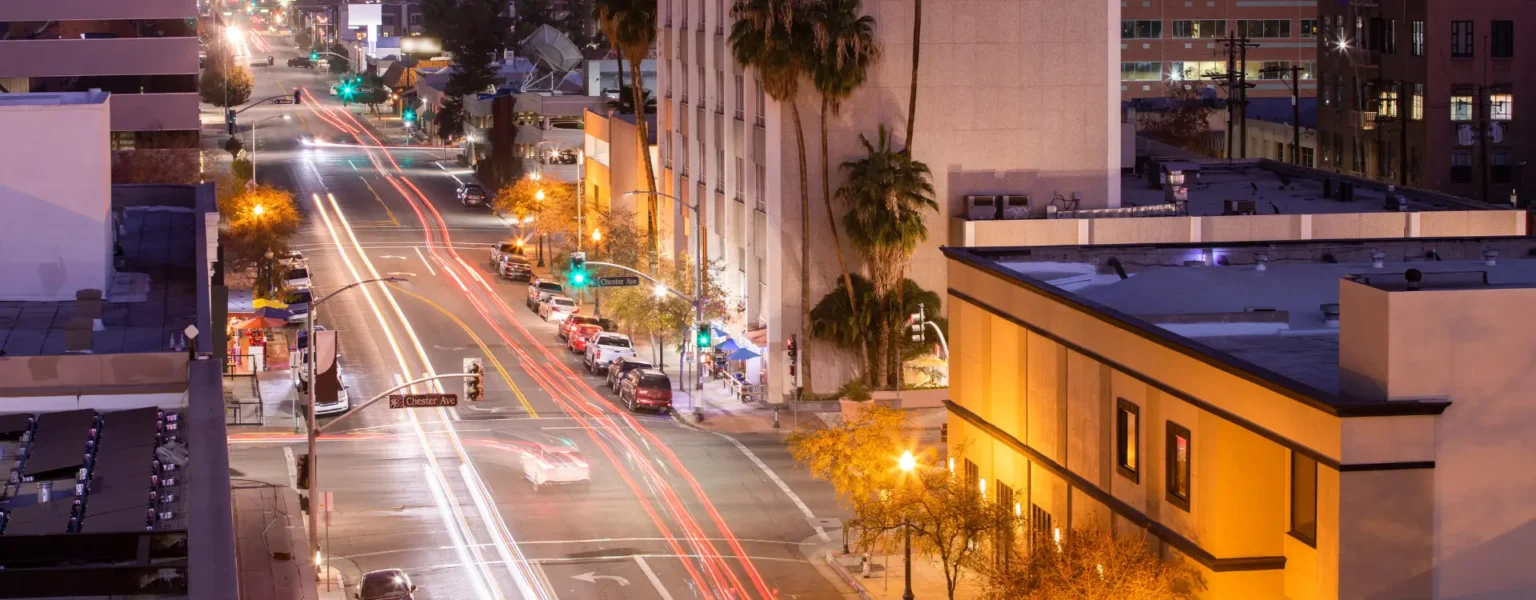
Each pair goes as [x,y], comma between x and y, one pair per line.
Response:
[424,260]
[651,575]
[483,348]
[376,196]
[821,532]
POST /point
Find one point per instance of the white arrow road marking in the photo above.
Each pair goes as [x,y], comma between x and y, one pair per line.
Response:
[401,273]
[592,577]
[651,575]
[392,256]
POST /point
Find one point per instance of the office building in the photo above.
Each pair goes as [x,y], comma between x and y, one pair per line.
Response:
[144,53]
[1163,41]
[1008,103]
[1301,420]
[1423,94]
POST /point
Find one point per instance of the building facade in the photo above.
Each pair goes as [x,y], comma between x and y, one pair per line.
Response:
[1008,103]
[1422,93]
[144,53]
[1328,446]
[1165,41]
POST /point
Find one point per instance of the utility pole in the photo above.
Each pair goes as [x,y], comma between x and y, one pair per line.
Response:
[1296,114]
[1483,103]
[1242,90]
[1237,89]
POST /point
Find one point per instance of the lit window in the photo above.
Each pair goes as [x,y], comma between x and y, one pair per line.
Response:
[1178,465]
[1417,113]
[1127,438]
[1461,107]
[1304,498]
[1309,28]
[1141,71]
[1386,104]
[1501,106]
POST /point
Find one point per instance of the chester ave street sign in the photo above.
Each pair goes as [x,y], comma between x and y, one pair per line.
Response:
[422,400]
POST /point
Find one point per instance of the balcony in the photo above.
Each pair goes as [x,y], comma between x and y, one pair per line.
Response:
[122,56]
[155,112]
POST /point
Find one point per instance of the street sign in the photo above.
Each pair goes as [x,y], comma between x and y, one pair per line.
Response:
[622,281]
[422,400]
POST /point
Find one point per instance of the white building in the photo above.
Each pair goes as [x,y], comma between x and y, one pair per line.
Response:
[1014,98]
[56,190]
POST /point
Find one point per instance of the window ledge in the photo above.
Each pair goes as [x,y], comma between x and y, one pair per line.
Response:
[1303,539]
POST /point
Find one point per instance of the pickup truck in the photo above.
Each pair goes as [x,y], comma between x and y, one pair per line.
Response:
[603,348]
[540,290]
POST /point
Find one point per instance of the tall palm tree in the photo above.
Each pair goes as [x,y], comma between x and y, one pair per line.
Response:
[917,46]
[839,62]
[767,36]
[888,193]
[631,27]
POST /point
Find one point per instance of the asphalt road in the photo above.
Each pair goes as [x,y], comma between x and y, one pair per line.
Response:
[670,512]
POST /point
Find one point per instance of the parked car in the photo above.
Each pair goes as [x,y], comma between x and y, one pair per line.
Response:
[298,305]
[297,278]
[570,323]
[501,249]
[603,348]
[646,388]
[576,341]
[388,584]
[549,459]
[556,309]
[342,404]
[323,65]
[292,258]
[515,267]
[301,62]
[622,366]
[540,290]
[472,193]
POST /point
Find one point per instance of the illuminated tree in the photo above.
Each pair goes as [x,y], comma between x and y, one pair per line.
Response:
[1085,564]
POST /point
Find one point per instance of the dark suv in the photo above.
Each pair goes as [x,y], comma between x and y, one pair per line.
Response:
[472,193]
[621,367]
[515,267]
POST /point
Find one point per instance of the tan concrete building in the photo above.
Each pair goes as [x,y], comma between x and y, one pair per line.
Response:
[1014,98]
[1300,420]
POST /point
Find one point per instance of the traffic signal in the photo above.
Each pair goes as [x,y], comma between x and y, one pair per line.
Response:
[302,464]
[314,55]
[474,385]
[408,115]
[703,336]
[229,120]
[915,323]
[297,95]
[579,268]
[794,353]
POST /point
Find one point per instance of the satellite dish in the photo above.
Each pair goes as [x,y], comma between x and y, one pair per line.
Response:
[552,54]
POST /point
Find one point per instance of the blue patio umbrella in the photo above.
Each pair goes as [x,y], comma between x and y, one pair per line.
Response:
[718,332]
[727,345]
[742,354]
[267,312]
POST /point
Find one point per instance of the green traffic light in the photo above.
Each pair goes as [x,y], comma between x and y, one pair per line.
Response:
[579,278]
[314,56]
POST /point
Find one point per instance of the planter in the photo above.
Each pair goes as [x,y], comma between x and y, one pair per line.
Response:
[853,408]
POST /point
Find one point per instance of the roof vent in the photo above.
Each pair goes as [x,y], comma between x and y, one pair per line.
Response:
[1490,257]
[1330,314]
[1261,261]
[1378,258]
[1415,278]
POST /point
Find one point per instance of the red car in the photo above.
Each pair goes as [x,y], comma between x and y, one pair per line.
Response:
[646,388]
[576,340]
[571,322]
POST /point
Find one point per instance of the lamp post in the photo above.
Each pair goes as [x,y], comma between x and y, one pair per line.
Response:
[698,268]
[284,117]
[270,284]
[313,434]
[597,299]
[907,463]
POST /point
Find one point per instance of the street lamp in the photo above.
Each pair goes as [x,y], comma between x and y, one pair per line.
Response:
[258,209]
[597,236]
[268,255]
[539,195]
[284,117]
[907,463]
[309,360]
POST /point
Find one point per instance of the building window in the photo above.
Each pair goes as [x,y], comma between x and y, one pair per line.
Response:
[1307,156]
[1141,71]
[760,186]
[1139,30]
[1308,70]
[1418,38]
[1264,28]
[1206,29]
[1128,439]
[1386,104]
[1503,43]
[741,96]
[1500,161]
[1309,28]
[1417,111]
[1501,106]
[1389,40]
[1461,106]
[1461,166]
[1194,70]
[719,92]
[1304,498]
[1461,39]
[123,140]
[1178,465]
[762,102]
[972,475]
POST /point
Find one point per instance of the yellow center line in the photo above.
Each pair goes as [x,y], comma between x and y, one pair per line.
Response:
[484,348]
[376,196]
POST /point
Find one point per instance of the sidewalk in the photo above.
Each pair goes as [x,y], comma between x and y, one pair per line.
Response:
[274,389]
[886,577]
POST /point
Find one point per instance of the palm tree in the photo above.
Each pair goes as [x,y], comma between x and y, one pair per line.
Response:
[766,36]
[888,193]
[840,60]
[625,105]
[917,46]
[631,27]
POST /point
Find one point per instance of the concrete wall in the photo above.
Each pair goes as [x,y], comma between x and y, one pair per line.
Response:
[82,10]
[1470,346]
[86,374]
[1178,230]
[55,193]
[155,112]
[123,56]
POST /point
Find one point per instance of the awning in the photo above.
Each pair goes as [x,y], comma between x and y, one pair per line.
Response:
[742,354]
[268,312]
[261,323]
[727,345]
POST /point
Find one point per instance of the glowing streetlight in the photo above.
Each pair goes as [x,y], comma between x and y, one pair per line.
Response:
[539,195]
[258,209]
[907,461]
[233,34]
[660,291]
[528,220]
[597,235]
[1343,44]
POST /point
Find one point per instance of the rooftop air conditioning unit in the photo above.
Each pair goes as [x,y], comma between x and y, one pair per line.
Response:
[1016,207]
[981,208]
[1239,207]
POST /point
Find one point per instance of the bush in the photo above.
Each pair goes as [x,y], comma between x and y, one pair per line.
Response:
[212,87]
[855,390]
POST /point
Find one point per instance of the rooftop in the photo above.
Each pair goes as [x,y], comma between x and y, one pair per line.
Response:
[1292,191]
[154,293]
[53,98]
[1267,308]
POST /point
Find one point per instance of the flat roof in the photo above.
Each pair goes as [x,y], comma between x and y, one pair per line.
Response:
[154,293]
[53,98]
[1271,191]
[1217,304]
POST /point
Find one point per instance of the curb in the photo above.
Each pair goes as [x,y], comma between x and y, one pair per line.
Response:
[847,577]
